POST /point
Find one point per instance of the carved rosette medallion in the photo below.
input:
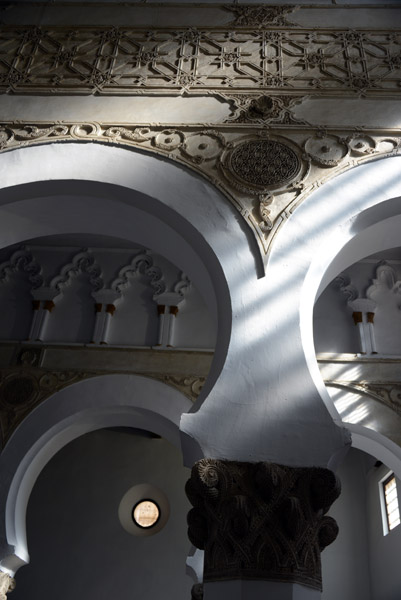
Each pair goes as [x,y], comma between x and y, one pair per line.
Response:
[261,520]
[326,150]
[259,165]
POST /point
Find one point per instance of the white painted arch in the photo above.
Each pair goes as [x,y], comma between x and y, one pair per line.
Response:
[104,401]
[131,195]
[266,404]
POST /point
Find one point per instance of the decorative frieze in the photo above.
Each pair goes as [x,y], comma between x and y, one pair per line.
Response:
[264,171]
[30,378]
[261,520]
[112,60]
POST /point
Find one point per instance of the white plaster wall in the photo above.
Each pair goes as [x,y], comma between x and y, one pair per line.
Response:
[385,550]
[78,547]
[73,318]
[333,328]
[362,564]
[15,307]
[345,564]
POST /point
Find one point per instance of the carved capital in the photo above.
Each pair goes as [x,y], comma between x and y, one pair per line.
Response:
[261,520]
[7,584]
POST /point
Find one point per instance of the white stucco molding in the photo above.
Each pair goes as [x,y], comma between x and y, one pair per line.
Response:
[104,401]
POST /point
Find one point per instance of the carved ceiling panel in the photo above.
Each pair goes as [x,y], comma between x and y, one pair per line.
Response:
[112,60]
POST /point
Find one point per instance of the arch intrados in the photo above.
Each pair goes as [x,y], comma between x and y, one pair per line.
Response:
[91,404]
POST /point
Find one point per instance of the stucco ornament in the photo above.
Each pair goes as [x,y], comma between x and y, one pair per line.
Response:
[261,520]
[264,172]
[261,16]
[61,60]
[264,163]
[7,584]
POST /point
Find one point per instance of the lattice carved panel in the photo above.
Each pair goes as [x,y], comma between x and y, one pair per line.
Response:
[132,60]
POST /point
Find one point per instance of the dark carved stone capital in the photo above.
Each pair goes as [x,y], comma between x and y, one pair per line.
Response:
[261,520]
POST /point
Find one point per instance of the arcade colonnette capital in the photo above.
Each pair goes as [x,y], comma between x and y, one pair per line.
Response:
[199,265]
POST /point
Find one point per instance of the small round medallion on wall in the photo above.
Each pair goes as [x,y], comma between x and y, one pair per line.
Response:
[262,164]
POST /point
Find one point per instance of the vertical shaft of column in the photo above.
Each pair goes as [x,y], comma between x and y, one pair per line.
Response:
[105,301]
[161,311]
[171,325]
[110,310]
[7,584]
[370,316]
[41,311]
[37,318]
[358,321]
[98,325]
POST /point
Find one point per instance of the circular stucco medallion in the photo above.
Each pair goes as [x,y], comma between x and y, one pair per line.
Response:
[264,163]
[18,391]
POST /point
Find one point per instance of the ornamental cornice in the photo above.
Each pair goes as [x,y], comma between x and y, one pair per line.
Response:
[265,171]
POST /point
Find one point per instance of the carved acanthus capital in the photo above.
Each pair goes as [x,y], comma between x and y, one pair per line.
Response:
[261,520]
[7,584]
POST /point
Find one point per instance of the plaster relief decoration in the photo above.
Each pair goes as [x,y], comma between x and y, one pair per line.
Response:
[261,16]
[261,520]
[257,54]
[23,388]
[263,109]
[22,260]
[7,584]
[83,262]
[264,171]
[27,381]
[143,264]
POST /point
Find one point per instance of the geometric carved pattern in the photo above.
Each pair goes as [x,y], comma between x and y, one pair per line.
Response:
[109,60]
[264,163]
[261,520]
